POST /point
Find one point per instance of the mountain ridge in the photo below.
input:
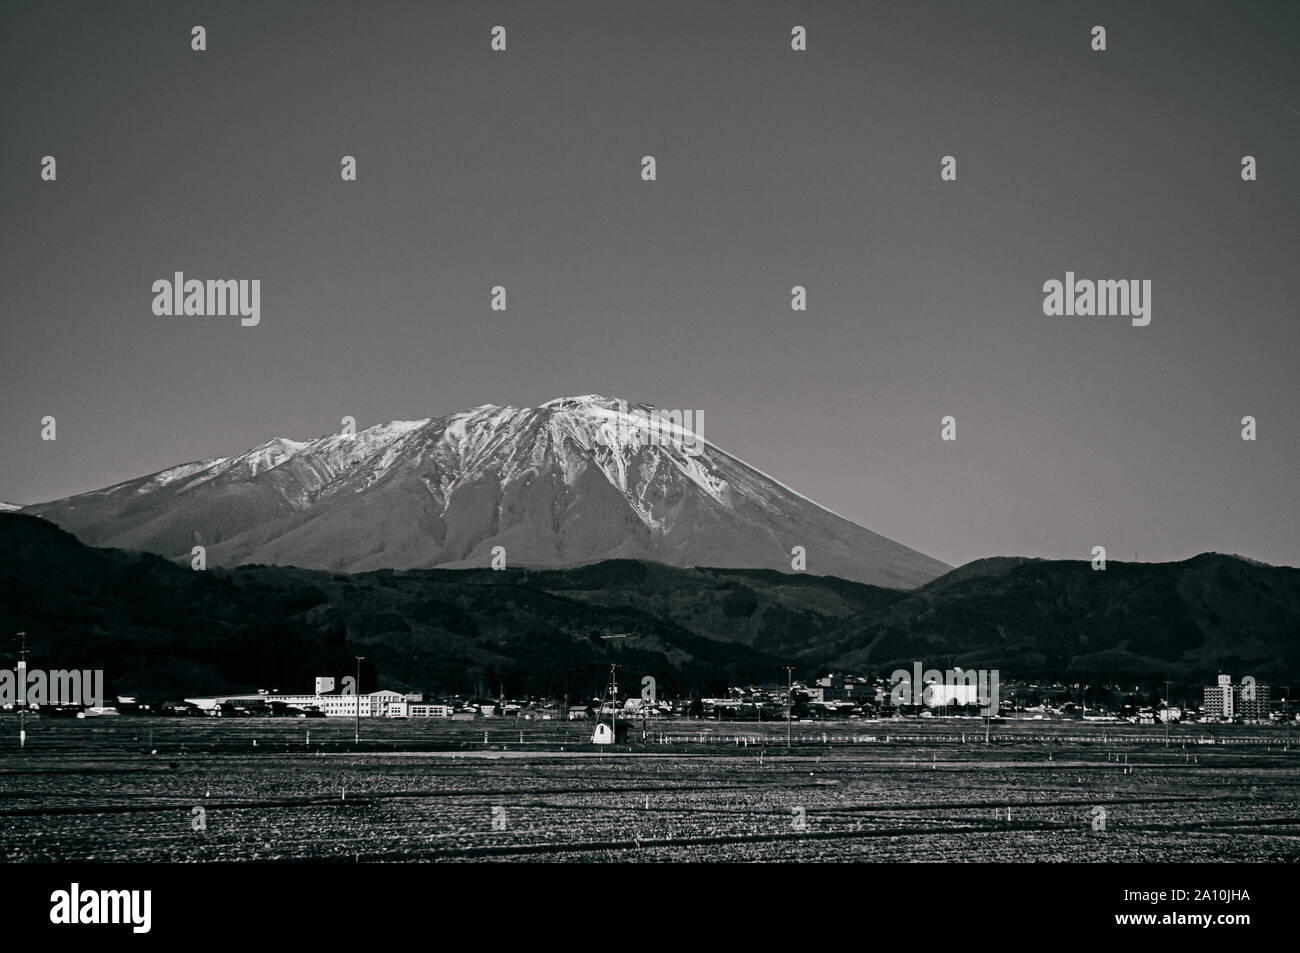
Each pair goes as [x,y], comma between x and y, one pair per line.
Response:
[574,481]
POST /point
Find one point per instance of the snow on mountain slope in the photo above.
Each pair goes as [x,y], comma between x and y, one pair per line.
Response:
[573,481]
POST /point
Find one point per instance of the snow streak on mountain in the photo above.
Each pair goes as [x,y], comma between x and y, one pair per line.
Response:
[566,483]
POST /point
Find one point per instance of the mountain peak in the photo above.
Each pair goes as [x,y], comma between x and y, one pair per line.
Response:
[578,401]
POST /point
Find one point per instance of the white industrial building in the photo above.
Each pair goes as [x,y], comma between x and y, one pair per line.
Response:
[380,704]
[937,694]
[333,703]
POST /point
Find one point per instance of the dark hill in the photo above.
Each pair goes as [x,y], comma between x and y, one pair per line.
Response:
[1192,618]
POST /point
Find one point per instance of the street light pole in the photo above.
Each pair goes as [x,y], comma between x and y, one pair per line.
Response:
[356,738]
[22,680]
[789,699]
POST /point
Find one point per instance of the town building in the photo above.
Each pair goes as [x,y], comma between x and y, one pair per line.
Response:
[1247,700]
[839,688]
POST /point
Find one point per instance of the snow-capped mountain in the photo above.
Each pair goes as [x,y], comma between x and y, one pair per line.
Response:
[573,481]
[8,507]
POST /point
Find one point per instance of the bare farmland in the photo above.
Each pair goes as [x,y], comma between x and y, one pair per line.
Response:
[265,790]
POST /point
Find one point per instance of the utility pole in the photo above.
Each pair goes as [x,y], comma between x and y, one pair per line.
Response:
[1286,701]
[611,690]
[356,738]
[613,687]
[22,690]
[789,699]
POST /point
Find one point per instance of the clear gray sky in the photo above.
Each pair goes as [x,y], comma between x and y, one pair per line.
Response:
[775,168]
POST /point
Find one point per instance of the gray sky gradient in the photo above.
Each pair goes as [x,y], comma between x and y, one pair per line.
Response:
[775,169]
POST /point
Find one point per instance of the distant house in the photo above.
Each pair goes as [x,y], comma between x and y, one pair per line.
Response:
[579,713]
